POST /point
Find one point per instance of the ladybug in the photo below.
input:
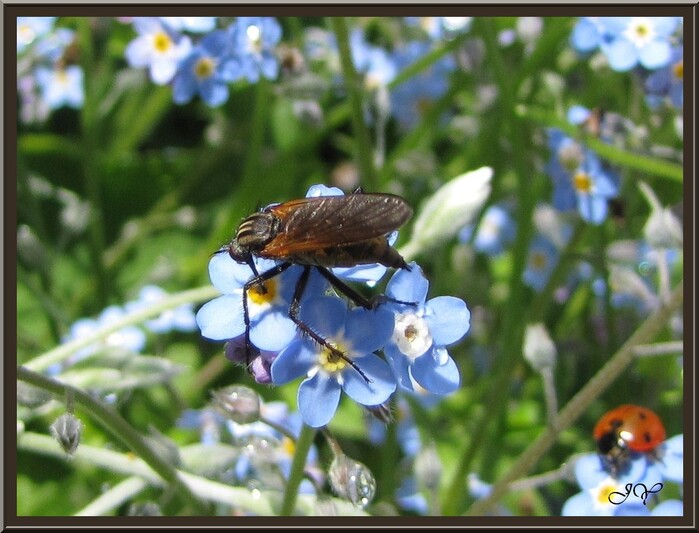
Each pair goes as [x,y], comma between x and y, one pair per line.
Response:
[625,430]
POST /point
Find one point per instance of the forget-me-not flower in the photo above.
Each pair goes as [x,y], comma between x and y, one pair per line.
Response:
[158,48]
[361,374]
[423,330]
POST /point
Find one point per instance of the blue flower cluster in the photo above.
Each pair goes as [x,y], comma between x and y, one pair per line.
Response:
[637,491]
[266,446]
[130,338]
[47,77]
[580,179]
[652,43]
[628,41]
[412,335]
[243,50]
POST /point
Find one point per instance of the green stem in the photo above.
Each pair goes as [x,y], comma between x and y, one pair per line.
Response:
[303,446]
[90,170]
[118,427]
[560,269]
[60,353]
[604,378]
[115,497]
[509,348]
[651,166]
[263,503]
[352,83]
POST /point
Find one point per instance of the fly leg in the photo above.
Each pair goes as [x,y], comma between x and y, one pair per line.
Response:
[257,281]
[294,315]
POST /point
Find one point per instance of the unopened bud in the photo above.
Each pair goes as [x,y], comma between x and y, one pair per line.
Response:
[240,404]
[451,207]
[428,468]
[67,430]
[352,480]
[539,349]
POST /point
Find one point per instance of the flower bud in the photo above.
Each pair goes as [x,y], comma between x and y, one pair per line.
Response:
[352,480]
[428,468]
[539,349]
[451,207]
[240,404]
[663,229]
[67,430]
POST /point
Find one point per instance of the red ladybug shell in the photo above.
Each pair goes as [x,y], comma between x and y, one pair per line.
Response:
[633,427]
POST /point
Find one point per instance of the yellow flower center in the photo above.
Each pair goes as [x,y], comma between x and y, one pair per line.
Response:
[604,492]
[288,446]
[678,70]
[25,33]
[263,293]
[204,68]
[538,261]
[640,31]
[331,361]
[61,77]
[582,182]
[162,42]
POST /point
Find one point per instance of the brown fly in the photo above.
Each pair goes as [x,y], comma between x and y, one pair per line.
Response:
[320,232]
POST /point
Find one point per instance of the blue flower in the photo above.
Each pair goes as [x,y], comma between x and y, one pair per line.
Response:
[411,99]
[267,452]
[667,82]
[587,34]
[638,40]
[627,41]
[495,231]
[61,86]
[206,71]
[603,495]
[178,319]
[671,459]
[441,27]
[158,48]
[192,24]
[377,66]
[540,262]
[207,421]
[129,338]
[580,179]
[409,497]
[669,508]
[422,332]
[364,376]
[254,40]
[271,328]
[29,29]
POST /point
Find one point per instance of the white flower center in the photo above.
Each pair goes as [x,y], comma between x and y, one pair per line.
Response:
[412,335]
[640,31]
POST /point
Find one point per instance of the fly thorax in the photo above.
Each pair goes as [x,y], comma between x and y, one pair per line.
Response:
[257,230]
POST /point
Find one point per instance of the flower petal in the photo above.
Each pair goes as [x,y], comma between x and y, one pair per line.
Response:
[293,361]
[221,318]
[400,365]
[368,331]
[325,315]
[408,285]
[318,398]
[448,318]
[272,330]
[373,392]
[437,379]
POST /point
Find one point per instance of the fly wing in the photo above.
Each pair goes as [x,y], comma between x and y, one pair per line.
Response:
[315,223]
